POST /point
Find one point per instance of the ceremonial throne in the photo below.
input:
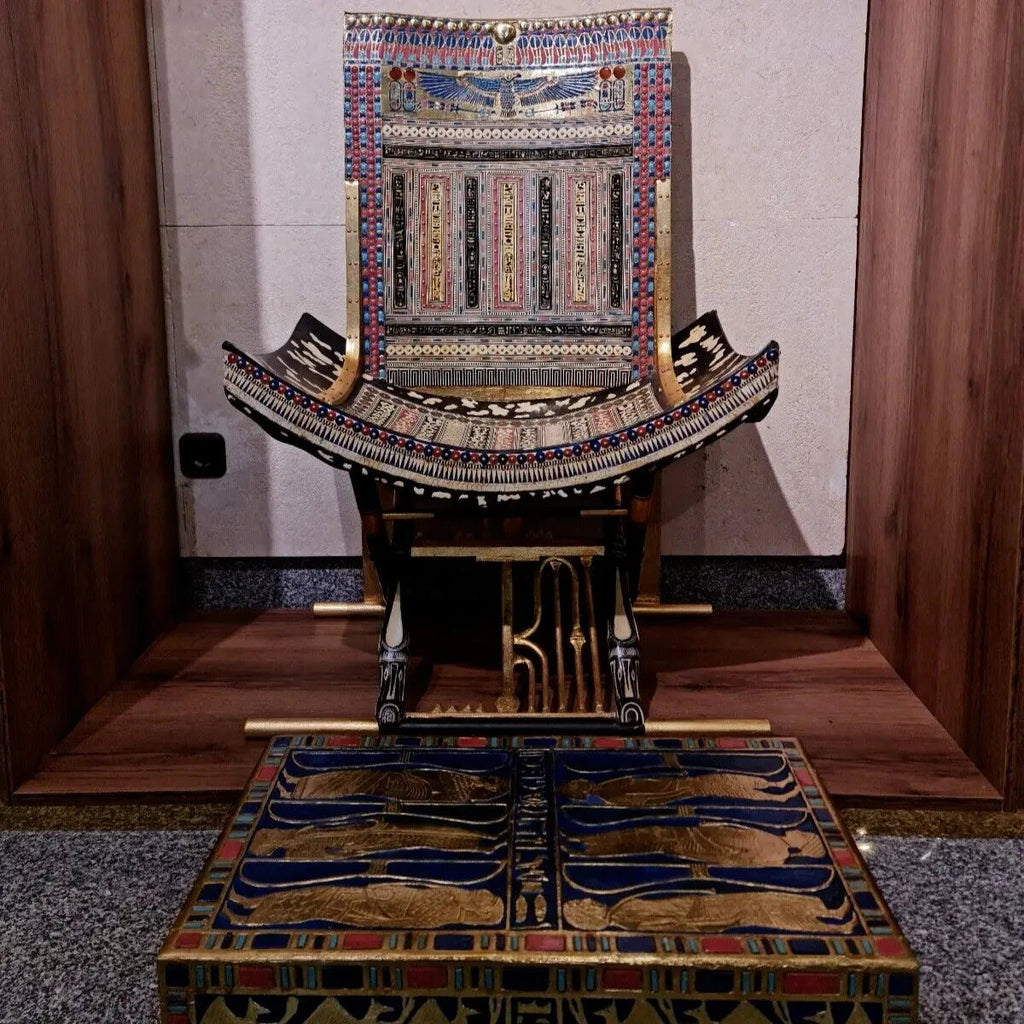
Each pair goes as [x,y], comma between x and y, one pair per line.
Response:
[508,354]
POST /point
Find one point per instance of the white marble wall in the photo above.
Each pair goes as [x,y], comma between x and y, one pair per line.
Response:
[768,105]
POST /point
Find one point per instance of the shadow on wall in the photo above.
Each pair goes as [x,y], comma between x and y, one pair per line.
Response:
[234,290]
[741,453]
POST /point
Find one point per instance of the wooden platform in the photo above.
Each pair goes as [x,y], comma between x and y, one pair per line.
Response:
[173,729]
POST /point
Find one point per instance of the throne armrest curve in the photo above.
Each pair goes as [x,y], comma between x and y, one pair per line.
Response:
[315,360]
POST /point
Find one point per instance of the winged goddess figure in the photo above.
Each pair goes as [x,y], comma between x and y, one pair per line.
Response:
[511,93]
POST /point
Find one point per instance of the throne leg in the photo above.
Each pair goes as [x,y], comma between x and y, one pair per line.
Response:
[390,559]
[641,489]
[393,647]
[393,659]
[622,635]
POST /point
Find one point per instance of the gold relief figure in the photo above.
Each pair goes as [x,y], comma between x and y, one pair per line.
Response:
[380,904]
[629,791]
[509,262]
[430,1013]
[218,1013]
[745,1013]
[521,910]
[698,1015]
[701,912]
[437,291]
[315,843]
[641,1011]
[859,1016]
[410,784]
[540,1007]
[330,1011]
[581,241]
[727,845]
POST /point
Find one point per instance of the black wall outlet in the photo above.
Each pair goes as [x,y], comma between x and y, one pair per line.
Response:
[202,455]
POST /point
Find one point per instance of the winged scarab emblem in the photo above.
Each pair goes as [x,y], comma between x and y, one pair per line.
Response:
[508,94]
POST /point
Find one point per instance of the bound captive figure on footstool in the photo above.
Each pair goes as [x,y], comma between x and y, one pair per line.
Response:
[508,350]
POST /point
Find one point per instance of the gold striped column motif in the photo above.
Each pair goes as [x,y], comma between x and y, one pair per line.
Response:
[574,650]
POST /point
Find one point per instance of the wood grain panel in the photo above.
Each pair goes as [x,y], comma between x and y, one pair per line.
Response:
[32,560]
[937,427]
[90,323]
[174,727]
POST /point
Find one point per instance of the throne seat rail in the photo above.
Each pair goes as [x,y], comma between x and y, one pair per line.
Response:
[454,447]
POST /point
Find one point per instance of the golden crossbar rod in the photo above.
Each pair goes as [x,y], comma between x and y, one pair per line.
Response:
[339,609]
[708,727]
[261,728]
[509,552]
[370,609]
[696,608]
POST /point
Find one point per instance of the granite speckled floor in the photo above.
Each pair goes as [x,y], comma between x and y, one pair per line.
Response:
[82,915]
[727,582]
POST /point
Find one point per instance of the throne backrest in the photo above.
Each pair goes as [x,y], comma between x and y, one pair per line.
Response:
[505,185]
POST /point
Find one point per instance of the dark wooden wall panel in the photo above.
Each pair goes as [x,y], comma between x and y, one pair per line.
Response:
[937,428]
[32,561]
[88,558]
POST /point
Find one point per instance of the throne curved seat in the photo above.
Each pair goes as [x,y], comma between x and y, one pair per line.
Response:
[454,447]
[508,341]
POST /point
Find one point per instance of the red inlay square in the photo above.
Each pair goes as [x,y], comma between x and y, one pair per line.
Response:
[845,857]
[807,984]
[362,940]
[230,849]
[721,944]
[890,947]
[545,942]
[266,773]
[187,940]
[426,977]
[177,1018]
[342,741]
[631,978]
[803,777]
[255,976]
[471,741]
[611,742]
[732,743]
